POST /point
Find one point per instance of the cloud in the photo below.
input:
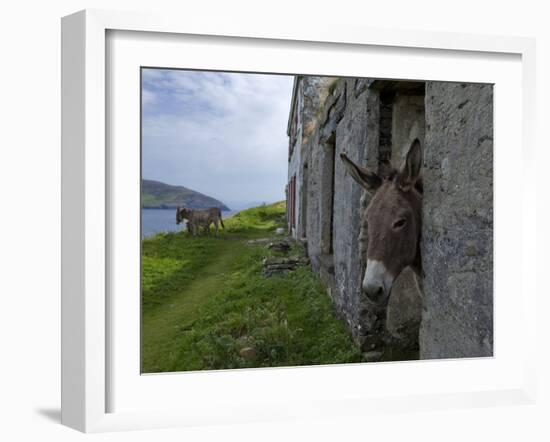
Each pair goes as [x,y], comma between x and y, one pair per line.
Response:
[223,134]
[148,97]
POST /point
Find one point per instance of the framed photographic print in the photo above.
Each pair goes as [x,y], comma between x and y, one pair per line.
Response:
[263,224]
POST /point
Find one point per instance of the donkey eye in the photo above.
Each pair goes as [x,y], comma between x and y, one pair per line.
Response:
[399,223]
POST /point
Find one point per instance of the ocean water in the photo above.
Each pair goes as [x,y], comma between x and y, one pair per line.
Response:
[155,221]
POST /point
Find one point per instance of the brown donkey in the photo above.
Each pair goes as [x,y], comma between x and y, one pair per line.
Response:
[394,222]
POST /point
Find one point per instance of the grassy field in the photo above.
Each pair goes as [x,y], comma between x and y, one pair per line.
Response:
[204,300]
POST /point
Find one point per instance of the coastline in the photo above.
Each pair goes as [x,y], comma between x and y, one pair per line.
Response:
[163,220]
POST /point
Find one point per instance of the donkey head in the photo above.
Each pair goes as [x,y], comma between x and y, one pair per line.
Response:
[393,221]
[181,213]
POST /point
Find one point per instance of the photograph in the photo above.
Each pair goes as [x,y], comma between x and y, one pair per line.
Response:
[301,220]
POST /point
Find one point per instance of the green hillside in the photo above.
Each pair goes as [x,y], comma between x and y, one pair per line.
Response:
[206,305]
[157,195]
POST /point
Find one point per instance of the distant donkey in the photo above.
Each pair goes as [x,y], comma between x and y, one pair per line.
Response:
[394,222]
[197,218]
[187,226]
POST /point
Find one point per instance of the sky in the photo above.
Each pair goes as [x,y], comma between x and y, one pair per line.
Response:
[222,134]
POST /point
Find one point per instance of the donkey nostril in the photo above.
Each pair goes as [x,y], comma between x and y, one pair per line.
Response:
[375,293]
[378,293]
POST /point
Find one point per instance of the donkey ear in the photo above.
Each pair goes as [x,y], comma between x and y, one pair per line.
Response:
[369,180]
[410,170]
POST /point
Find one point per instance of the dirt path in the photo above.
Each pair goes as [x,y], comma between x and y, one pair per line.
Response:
[162,328]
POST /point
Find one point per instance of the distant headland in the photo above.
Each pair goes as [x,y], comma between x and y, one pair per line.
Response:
[157,195]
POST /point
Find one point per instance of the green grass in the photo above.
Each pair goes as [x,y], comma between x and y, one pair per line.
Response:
[262,219]
[204,299]
[148,200]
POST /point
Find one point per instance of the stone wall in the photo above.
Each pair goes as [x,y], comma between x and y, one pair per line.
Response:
[333,210]
[311,93]
[350,137]
[295,165]
[371,121]
[349,121]
[457,235]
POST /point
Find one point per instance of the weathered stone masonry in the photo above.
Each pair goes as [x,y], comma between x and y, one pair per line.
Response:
[457,236]
[372,120]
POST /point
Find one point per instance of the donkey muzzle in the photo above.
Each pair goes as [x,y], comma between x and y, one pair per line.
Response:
[377,282]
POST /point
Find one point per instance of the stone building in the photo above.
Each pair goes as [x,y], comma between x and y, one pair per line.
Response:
[374,120]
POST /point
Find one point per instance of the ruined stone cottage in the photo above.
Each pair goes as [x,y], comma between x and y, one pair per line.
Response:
[373,120]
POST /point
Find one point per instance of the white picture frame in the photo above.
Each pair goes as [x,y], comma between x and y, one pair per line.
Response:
[86,357]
